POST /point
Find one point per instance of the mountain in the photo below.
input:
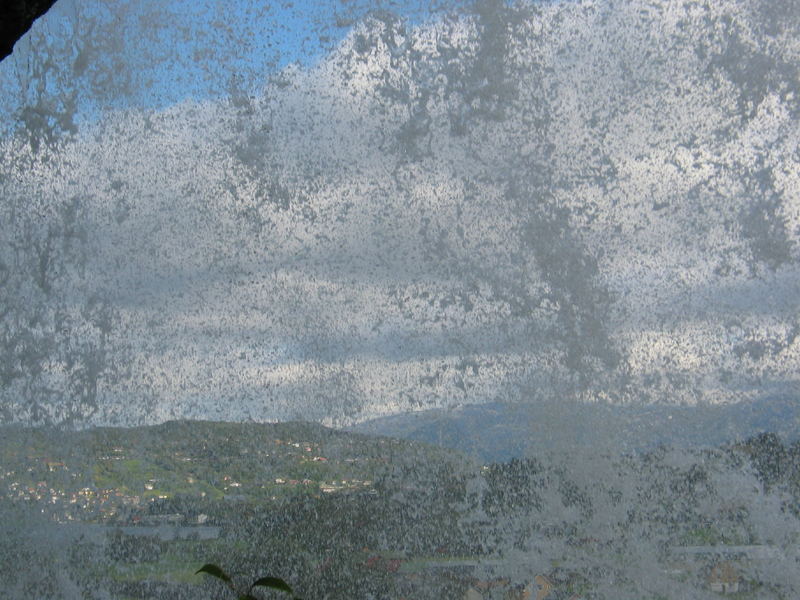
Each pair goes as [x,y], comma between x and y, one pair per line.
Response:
[498,431]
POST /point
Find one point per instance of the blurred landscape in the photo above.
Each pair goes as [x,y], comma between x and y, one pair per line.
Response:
[497,431]
[398,299]
[132,513]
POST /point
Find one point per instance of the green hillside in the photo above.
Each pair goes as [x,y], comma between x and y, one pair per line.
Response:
[132,513]
[114,472]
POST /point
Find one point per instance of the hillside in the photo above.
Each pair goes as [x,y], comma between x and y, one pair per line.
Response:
[130,513]
[498,431]
[114,473]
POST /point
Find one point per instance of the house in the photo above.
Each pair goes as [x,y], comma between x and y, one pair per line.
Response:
[393,565]
[548,587]
[473,594]
[723,578]
[545,585]
[390,565]
[488,589]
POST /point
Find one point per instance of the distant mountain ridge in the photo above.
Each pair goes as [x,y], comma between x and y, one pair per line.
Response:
[498,432]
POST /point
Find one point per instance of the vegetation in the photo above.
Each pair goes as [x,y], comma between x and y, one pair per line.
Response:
[377,517]
[272,583]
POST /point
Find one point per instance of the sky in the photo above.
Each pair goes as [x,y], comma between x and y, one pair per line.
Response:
[373,216]
[162,53]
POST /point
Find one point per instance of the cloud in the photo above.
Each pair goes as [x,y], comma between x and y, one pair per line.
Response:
[515,204]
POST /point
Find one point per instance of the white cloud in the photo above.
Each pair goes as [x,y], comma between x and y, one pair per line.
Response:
[387,230]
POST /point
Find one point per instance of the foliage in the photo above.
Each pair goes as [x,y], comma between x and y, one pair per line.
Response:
[272,583]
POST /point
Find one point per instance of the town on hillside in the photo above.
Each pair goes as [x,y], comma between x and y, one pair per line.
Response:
[135,512]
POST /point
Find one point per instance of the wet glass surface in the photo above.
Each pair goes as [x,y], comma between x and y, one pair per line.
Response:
[401,300]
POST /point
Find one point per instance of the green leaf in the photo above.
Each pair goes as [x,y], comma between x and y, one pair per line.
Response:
[276,583]
[215,571]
